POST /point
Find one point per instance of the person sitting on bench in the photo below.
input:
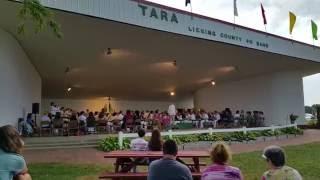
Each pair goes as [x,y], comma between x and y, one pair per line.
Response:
[168,167]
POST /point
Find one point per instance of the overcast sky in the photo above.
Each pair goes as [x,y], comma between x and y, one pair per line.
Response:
[278,23]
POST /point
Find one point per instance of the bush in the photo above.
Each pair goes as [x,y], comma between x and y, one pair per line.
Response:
[291,130]
[111,144]
[208,137]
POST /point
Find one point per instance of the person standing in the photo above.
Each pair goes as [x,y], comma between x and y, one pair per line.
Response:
[172,113]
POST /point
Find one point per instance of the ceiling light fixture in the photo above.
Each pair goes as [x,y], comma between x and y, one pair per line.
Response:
[67,70]
[213,83]
[172,93]
[174,63]
[108,51]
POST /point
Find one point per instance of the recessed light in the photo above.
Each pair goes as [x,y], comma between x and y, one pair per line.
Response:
[108,52]
[174,63]
[213,83]
[172,93]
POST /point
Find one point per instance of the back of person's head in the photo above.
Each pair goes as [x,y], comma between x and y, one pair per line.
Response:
[141,132]
[58,115]
[29,115]
[128,112]
[220,153]
[170,148]
[155,143]
[275,155]
[10,140]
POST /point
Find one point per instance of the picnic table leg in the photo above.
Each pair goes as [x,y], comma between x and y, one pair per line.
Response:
[196,163]
[117,165]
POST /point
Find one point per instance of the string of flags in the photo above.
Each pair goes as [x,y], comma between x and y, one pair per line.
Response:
[292,18]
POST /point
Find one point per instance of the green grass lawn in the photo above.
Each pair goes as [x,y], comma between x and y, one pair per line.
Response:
[305,158]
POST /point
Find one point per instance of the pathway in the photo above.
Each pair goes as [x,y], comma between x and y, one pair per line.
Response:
[93,156]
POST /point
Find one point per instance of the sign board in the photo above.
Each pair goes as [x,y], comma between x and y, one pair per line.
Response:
[154,16]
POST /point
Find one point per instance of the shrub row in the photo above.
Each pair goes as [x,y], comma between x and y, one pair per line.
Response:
[111,143]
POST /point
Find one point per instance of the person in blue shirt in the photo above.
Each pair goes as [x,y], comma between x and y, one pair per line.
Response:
[12,164]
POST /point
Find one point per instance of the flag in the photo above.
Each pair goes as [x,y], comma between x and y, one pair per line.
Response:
[292,22]
[314,28]
[188,2]
[235,9]
[263,15]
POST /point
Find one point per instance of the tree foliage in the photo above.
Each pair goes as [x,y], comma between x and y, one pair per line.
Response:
[40,17]
[309,109]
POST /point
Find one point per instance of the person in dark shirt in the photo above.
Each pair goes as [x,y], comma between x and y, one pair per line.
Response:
[168,167]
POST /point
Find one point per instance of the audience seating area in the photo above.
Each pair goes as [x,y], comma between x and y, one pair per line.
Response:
[62,121]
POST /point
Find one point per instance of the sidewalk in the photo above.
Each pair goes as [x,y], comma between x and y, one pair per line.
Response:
[93,156]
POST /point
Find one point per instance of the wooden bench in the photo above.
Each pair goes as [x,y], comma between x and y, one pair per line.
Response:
[141,175]
[188,164]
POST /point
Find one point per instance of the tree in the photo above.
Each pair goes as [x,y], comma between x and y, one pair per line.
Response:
[40,16]
[308,109]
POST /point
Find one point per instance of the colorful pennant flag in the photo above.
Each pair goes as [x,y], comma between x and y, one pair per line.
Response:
[314,28]
[292,22]
[263,15]
[188,2]
[235,8]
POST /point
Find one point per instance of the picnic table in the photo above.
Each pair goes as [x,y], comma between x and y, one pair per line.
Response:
[194,155]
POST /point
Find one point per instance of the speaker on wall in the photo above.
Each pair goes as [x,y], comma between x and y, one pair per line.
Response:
[35,108]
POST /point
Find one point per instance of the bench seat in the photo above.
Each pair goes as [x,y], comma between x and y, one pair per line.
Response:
[140,175]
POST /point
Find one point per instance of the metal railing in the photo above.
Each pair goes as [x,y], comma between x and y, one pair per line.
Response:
[210,131]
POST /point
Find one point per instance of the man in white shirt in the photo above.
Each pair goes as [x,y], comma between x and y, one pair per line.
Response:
[139,144]
[83,118]
[204,118]
[217,118]
[45,118]
[120,116]
[172,113]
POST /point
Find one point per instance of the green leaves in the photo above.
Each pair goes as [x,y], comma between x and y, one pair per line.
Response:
[40,17]
[111,144]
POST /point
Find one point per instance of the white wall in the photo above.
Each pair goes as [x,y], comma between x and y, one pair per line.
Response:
[97,104]
[277,95]
[20,82]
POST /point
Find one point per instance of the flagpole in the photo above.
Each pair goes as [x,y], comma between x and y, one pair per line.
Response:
[265,28]
[191,11]
[234,21]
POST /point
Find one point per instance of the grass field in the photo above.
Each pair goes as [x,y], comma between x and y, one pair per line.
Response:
[305,158]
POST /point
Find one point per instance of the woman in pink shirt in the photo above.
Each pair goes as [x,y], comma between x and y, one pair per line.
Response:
[220,170]
[165,120]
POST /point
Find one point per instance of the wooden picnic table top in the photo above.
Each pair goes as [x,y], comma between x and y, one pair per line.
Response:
[154,154]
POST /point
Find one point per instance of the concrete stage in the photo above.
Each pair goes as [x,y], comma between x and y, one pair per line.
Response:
[155,50]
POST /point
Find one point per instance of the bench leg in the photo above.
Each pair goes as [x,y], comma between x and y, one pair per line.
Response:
[196,164]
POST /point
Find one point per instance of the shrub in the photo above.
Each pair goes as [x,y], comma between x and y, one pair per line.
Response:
[111,144]
[291,130]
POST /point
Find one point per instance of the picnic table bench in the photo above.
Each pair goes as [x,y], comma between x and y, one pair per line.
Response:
[139,175]
[119,155]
